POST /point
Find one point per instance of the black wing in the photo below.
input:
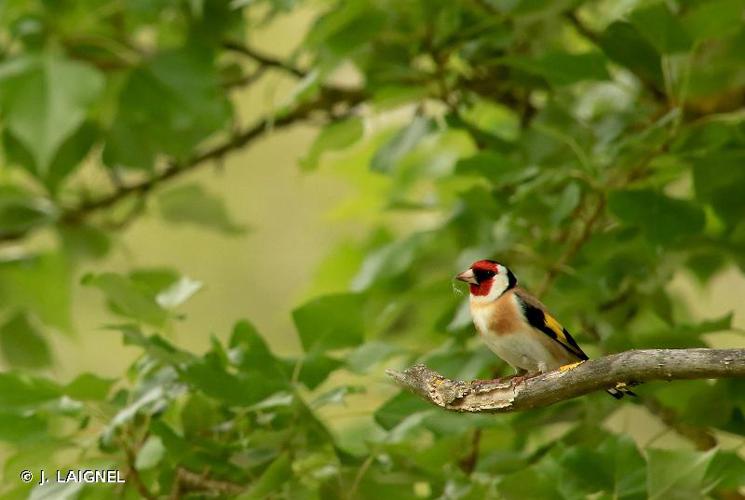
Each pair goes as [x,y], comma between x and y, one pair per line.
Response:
[544,322]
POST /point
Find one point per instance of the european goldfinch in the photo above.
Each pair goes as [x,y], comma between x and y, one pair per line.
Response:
[516,326]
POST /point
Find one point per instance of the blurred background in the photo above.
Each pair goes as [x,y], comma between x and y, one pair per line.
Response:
[262,274]
[322,170]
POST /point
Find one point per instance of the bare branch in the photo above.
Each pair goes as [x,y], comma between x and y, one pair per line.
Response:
[700,437]
[187,481]
[263,59]
[501,396]
[573,249]
[595,38]
[133,474]
[328,99]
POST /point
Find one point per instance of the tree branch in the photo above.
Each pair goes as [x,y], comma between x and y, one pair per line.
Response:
[595,38]
[573,249]
[501,396]
[263,59]
[329,98]
[133,474]
[700,437]
[187,481]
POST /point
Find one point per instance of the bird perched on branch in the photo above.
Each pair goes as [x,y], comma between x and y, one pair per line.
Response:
[517,327]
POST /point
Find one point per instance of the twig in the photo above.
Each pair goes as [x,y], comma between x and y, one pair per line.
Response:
[468,463]
[245,80]
[594,38]
[583,30]
[500,396]
[360,474]
[573,249]
[701,438]
[133,475]
[187,480]
[263,59]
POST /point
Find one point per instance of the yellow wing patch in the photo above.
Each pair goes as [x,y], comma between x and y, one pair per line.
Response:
[563,336]
[555,327]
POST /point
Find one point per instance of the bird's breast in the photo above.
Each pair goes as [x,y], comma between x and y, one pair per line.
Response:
[500,317]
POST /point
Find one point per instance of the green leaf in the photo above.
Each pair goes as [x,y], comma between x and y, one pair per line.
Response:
[370,354]
[334,137]
[22,429]
[681,335]
[40,284]
[527,483]
[388,261]
[149,400]
[661,28]
[399,407]
[676,473]
[127,298]
[84,241]
[330,322]
[271,480]
[719,179]
[191,204]
[337,395]
[20,212]
[249,352]
[623,44]
[726,471]
[495,167]
[714,19]
[178,293]
[624,473]
[563,68]
[57,491]
[344,29]
[67,159]
[19,392]
[150,454]
[198,416]
[168,106]
[664,220]
[404,141]
[44,100]
[496,120]
[89,387]
[705,265]
[154,279]
[215,381]
[314,368]
[22,345]
[566,203]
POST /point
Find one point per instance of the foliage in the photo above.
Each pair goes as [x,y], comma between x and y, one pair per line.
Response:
[598,149]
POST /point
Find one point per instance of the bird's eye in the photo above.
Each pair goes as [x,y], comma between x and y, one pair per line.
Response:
[483,274]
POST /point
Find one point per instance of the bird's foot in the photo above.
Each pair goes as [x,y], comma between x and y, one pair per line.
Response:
[571,366]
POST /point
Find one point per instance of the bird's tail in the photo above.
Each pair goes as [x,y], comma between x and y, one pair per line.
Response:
[620,390]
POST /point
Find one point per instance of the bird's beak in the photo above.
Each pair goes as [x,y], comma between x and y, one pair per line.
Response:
[468,277]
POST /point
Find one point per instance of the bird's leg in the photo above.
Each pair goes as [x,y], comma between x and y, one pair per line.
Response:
[570,366]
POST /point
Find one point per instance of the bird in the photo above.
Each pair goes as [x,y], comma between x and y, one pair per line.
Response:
[517,327]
